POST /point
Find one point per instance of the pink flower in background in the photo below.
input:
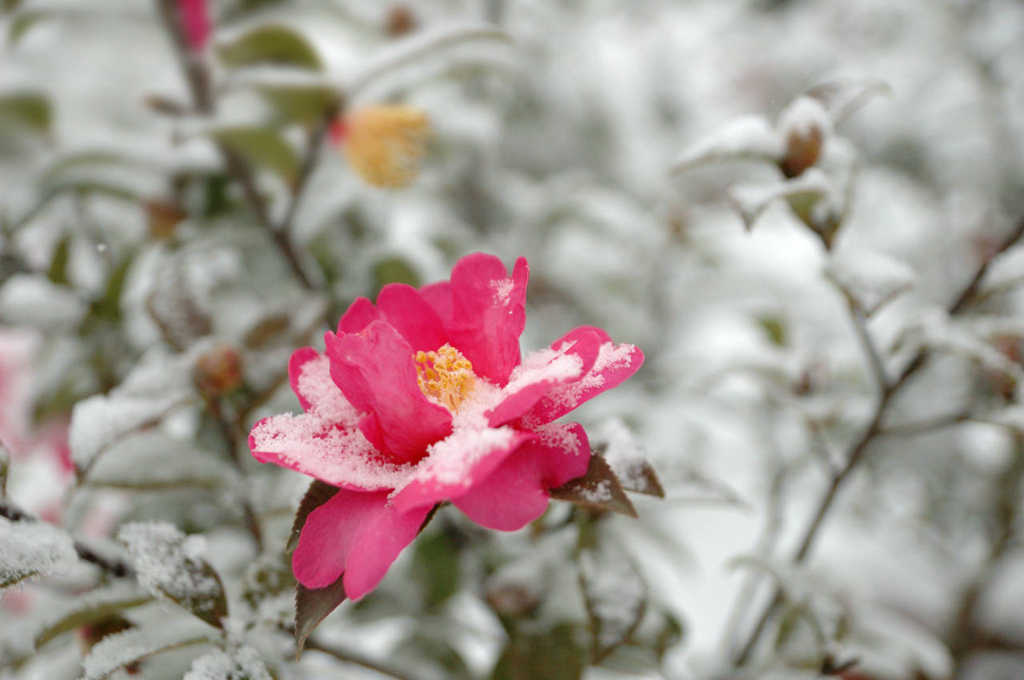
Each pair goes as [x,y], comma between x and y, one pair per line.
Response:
[424,398]
[195,21]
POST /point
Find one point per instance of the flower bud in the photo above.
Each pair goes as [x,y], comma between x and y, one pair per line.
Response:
[804,125]
[384,144]
[218,371]
[162,218]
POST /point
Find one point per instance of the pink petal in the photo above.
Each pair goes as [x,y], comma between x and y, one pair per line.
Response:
[488,313]
[569,358]
[309,373]
[456,464]
[195,22]
[354,533]
[316,447]
[439,297]
[614,363]
[360,314]
[374,369]
[412,316]
[295,364]
[516,493]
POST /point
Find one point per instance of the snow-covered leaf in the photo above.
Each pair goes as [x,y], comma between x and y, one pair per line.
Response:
[269,44]
[313,605]
[598,489]
[421,46]
[627,459]
[91,607]
[152,461]
[615,597]
[747,138]
[157,385]
[802,193]
[29,548]
[241,664]
[872,277]
[134,645]
[170,565]
[34,300]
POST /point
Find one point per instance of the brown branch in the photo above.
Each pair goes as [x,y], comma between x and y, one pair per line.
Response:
[858,448]
[354,658]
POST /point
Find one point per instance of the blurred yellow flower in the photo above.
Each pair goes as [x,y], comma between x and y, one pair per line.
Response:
[385,144]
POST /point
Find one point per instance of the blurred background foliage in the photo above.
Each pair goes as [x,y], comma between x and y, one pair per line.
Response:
[804,213]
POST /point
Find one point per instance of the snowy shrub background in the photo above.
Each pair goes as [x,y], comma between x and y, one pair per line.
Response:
[804,213]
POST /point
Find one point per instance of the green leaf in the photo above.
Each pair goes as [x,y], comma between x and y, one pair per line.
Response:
[394,270]
[554,654]
[31,110]
[270,44]
[317,494]
[137,644]
[435,564]
[92,608]
[599,489]
[300,103]
[312,606]
[22,22]
[58,272]
[261,146]
[774,328]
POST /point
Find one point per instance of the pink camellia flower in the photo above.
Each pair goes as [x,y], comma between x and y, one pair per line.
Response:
[424,398]
[195,22]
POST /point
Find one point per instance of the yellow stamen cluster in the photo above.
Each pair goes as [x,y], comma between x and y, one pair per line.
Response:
[385,144]
[445,376]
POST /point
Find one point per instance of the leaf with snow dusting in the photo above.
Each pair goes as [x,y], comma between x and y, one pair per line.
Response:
[90,608]
[31,548]
[627,459]
[169,565]
[750,138]
[598,489]
[134,645]
[240,664]
[157,385]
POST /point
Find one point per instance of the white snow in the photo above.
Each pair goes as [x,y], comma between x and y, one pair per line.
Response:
[29,549]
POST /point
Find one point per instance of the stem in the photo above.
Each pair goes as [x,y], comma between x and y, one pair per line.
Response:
[354,658]
[857,449]
[197,75]
[229,432]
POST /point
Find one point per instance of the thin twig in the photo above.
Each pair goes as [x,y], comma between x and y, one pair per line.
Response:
[925,426]
[232,441]
[857,449]
[354,658]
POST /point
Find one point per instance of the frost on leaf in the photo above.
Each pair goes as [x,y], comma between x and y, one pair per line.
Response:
[241,664]
[122,649]
[152,461]
[30,549]
[169,566]
[598,489]
[872,277]
[804,194]
[615,596]
[747,138]
[627,459]
[150,391]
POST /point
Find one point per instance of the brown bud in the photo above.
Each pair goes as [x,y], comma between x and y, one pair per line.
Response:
[400,21]
[511,600]
[804,125]
[218,371]
[163,217]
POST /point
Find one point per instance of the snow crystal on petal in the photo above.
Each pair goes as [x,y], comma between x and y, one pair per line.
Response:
[314,446]
[545,364]
[559,436]
[450,460]
[502,291]
[326,399]
[609,357]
